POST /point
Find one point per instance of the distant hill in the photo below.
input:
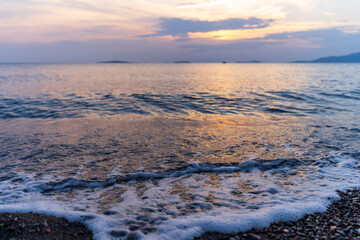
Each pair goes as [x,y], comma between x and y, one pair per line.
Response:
[114,61]
[351,58]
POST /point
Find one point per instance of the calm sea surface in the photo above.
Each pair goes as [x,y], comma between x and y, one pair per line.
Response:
[169,151]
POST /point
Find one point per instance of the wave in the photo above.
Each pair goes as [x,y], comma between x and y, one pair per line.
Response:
[271,102]
[194,168]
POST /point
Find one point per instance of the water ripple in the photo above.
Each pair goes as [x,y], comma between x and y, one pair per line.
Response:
[74,106]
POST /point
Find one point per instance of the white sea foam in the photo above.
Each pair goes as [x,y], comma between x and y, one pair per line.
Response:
[184,203]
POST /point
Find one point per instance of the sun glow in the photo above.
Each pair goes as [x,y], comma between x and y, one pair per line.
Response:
[231,35]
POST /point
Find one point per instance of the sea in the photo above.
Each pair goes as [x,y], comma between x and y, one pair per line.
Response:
[171,151]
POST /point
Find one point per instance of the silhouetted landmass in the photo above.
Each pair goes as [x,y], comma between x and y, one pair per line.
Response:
[351,58]
[253,61]
[114,61]
[182,62]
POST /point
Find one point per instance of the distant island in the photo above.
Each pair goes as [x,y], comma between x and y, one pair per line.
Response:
[351,58]
[114,61]
[182,62]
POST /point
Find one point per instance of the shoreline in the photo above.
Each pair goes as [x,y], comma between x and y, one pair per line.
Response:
[341,220]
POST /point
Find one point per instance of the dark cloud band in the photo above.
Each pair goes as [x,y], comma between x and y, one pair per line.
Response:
[181,27]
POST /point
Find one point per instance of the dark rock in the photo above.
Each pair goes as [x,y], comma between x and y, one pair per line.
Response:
[254,236]
[110,212]
[118,233]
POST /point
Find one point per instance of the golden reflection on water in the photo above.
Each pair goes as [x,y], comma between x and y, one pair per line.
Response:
[109,198]
[243,187]
[92,149]
[181,192]
[213,181]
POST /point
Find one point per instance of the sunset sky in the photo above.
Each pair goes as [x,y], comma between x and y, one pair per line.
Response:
[174,30]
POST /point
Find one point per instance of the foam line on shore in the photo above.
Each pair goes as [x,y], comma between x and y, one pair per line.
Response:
[194,168]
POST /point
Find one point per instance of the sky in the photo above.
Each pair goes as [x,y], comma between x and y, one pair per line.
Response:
[177,30]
